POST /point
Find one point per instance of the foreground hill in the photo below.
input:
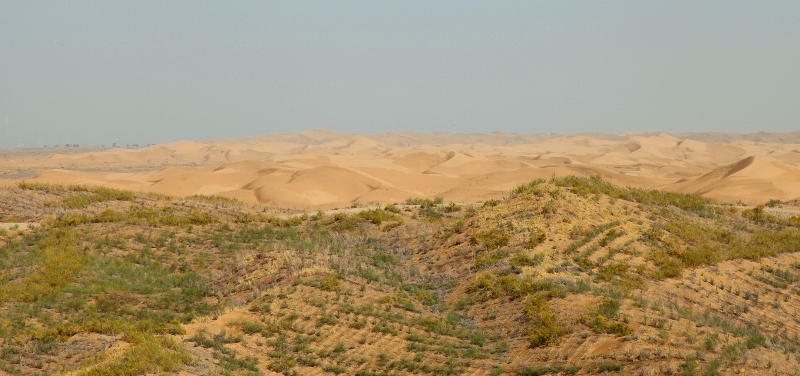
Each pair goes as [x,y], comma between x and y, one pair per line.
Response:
[321,169]
[567,276]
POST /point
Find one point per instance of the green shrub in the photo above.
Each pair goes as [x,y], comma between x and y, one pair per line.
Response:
[535,187]
[375,216]
[613,269]
[701,255]
[425,297]
[603,324]
[537,237]
[755,340]
[253,327]
[60,264]
[492,239]
[600,318]
[609,307]
[451,208]
[586,265]
[665,266]
[424,202]
[489,259]
[147,355]
[76,201]
[611,367]
[522,259]
[281,364]
[430,213]
[335,368]
[213,199]
[490,203]
[543,327]
[330,282]
[71,219]
[490,286]
[548,370]
[713,368]
[689,366]
[99,195]
[326,318]
[33,186]
[108,216]
[430,323]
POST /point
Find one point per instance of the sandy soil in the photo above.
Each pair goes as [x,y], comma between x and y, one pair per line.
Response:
[321,169]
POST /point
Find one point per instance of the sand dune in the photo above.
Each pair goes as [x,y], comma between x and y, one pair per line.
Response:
[750,179]
[323,169]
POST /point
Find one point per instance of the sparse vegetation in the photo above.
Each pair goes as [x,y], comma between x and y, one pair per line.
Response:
[327,292]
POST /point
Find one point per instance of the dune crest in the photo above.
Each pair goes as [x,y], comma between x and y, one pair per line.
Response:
[753,179]
[323,169]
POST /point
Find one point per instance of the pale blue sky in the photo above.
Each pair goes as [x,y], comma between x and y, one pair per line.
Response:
[156,71]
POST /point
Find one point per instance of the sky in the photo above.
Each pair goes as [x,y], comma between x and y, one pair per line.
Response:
[103,72]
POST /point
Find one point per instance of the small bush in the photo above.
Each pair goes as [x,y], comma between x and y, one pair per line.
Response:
[33,186]
[613,269]
[489,259]
[600,318]
[329,282]
[281,364]
[611,367]
[548,370]
[490,286]
[148,355]
[609,307]
[537,237]
[543,327]
[755,340]
[100,195]
[602,324]
[491,203]
[665,266]
[425,297]
[492,239]
[335,368]
[109,216]
[522,259]
[424,202]
[430,323]
[689,366]
[252,327]
[535,187]
[375,216]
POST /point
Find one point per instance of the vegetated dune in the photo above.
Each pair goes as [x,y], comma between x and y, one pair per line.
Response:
[322,169]
[569,276]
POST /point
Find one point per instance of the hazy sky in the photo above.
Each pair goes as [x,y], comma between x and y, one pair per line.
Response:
[142,72]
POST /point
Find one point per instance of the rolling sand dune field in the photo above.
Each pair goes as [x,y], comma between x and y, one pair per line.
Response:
[323,169]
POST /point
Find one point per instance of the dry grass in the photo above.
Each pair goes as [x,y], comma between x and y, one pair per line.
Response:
[567,276]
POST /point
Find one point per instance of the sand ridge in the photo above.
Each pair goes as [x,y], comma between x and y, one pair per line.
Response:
[319,169]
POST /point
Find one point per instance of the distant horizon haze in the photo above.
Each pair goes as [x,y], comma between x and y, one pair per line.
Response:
[148,72]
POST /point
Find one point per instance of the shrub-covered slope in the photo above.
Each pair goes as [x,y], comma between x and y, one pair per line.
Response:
[569,276]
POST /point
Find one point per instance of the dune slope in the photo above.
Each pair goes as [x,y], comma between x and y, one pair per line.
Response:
[323,169]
